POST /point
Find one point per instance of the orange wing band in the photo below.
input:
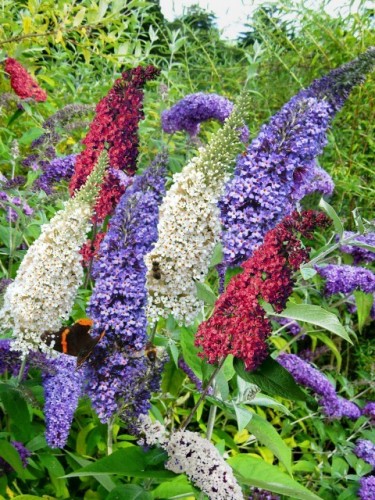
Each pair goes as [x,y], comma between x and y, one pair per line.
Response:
[64,343]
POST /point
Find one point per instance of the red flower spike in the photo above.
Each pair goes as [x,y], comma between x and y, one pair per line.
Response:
[239,325]
[115,127]
[22,83]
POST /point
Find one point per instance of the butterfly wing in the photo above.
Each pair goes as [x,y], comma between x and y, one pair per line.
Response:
[87,349]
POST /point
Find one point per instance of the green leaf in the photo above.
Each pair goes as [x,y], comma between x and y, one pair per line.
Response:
[130,492]
[103,479]
[364,303]
[243,416]
[307,272]
[18,412]
[128,461]
[228,368]
[172,379]
[360,244]
[330,211]
[256,472]
[358,220]
[11,455]
[79,17]
[271,378]
[217,255]
[205,293]
[268,436]
[329,342]
[56,473]
[314,315]
[30,135]
[222,386]
[174,351]
[15,116]
[173,488]
[267,401]
[190,352]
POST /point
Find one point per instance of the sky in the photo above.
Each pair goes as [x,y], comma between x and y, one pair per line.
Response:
[232,14]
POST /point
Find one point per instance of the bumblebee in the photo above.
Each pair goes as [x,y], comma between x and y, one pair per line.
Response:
[156,273]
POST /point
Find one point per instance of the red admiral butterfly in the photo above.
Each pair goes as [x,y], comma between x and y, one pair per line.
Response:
[74,340]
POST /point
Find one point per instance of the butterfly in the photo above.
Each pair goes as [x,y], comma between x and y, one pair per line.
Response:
[74,340]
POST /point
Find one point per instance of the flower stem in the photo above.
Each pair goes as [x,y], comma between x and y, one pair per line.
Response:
[211,415]
[202,396]
[110,436]
[22,371]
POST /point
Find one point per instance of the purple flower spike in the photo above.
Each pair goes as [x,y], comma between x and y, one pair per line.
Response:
[310,180]
[305,374]
[189,112]
[274,173]
[346,279]
[10,361]
[367,488]
[360,254]
[119,364]
[369,410]
[62,389]
[365,449]
[54,171]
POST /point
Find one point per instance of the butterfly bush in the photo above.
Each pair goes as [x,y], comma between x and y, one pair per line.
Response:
[43,292]
[54,171]
[367,488]
[63,385]
[116,123]
[117,306]
[359,254]
[195,456]
[21,81]
[365,449]
[189,112]
[279,164]
[305,374]
[346,279]
[369,410]
[189,226]
[239,325]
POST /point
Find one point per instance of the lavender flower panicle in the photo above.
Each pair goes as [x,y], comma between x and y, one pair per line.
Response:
[359,254]
[346,279]
[303,373]
[369,410]
[271,176]
[55,171]
[189,112]
[309,180]
[367,488]
[119,365]
[10,361]
[365,449]
[62,390]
